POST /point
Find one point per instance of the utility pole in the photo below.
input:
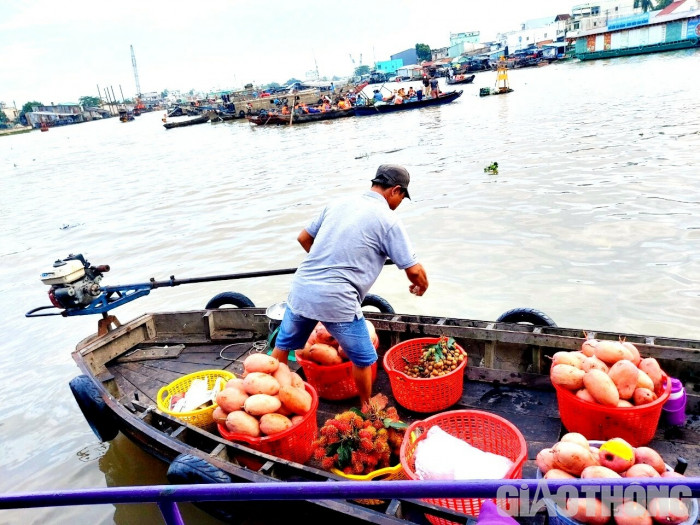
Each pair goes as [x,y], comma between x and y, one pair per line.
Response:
[136,72]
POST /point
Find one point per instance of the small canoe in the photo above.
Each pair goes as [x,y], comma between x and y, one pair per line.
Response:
[189,122]
[278,119]
[461,79]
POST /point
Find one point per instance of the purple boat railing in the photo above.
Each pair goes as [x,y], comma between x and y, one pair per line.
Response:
[525,490]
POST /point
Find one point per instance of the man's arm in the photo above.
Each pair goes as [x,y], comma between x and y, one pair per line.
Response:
[419,279]
[306,240]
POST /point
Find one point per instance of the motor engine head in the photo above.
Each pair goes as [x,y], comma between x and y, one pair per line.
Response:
[74,282]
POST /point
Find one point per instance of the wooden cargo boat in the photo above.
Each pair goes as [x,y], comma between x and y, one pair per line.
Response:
[507,374]
[264,119]
[443,98]
[201,119]
[461,79]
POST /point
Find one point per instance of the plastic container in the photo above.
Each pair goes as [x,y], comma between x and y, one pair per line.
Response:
[483,430]
[294,444]
[636,425]
[200,418]
[674,408]
[334,382]
[557,515]
[384,474]
[422,394]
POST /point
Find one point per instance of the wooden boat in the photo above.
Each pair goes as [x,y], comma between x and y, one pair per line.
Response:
[201,119]
[507,374]
[461,79]
[443,98]
[126,115]
[44,126]
[279,119]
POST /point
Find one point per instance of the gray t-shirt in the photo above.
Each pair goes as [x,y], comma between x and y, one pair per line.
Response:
[352,240]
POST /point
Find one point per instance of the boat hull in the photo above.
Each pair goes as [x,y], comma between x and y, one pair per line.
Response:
[640,50]
[280,120]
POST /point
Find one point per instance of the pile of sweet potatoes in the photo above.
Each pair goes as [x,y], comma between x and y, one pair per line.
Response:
[611,373]
[574,457]
[322,348]
[267,400]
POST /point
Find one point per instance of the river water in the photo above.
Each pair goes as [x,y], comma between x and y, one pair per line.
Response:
[593,218]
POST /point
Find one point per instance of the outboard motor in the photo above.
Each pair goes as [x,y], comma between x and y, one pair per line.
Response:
[74,282]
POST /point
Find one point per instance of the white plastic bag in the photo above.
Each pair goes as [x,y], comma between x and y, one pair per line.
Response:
[443,456]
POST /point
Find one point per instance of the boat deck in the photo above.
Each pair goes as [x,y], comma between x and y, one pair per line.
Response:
[534,411]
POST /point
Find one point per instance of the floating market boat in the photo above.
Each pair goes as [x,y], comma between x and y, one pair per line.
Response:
[201,119]
[265,118]
[443,98]
[460,79]
[126,367]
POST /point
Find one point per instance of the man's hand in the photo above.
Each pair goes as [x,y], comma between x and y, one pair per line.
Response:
[416,290]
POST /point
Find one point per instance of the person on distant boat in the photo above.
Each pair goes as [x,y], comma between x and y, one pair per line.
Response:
[377,96]
[434,89]
[411,93]
[285,110]
[401,92]
[426,85]
[398,99]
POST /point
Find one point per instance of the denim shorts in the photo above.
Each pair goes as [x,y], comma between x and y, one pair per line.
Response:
[352,336]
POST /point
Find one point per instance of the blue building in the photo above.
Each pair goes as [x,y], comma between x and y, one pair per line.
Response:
[408,57]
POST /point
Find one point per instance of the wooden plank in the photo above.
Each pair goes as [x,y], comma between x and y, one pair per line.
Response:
[153,352]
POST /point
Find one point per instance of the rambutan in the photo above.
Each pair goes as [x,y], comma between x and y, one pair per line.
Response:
[327,463]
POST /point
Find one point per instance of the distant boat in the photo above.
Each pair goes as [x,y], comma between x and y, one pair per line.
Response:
[125,115]
[44,126]
[279,119]
[461,79]
[196,120]
[443,98]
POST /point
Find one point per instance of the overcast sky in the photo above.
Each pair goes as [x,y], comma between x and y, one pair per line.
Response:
[56,51]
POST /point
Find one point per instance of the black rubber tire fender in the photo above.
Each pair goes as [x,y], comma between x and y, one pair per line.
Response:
[94,408]
[188,469]
[379,303]
[526,315]
[231,299]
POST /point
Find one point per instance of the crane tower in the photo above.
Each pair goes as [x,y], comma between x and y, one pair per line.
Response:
[136,72]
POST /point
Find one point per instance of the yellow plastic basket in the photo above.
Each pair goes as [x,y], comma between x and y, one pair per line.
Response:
[383,474]
[202,417]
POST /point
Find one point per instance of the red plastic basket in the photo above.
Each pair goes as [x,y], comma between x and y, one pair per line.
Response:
[422,394]
[483,430]
[636,425]
[332,382]
[294,444]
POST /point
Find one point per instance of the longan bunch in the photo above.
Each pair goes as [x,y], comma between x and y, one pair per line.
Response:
[436,360]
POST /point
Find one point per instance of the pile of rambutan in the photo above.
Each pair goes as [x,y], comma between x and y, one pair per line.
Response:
[361,441]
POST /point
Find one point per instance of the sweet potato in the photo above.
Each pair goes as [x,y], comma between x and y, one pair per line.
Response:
[567,376]
[325,355]
[575,437]
[588,347]
[598,471]
[588,510]
[592,362]
[585,395]
[260,383]
[641,470]
[283,375]
[668,510]
[323,336]
[545,460]
[624,375]
[644,381]
[274,424]
[631,513]
[219,415]
[295,399]
[297,381]
[260,363]
[231,399]
[305,353]
[653,370]
[601,387]
[623,403]
[610,352]
[568,358]
[571,457]
[241,422]
[557,473]
[649,456]
[236,382]
[636,358]
[297,419]
[261,404]
[643,396]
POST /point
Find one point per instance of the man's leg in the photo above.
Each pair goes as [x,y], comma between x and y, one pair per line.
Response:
[363,382]
[280,355]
